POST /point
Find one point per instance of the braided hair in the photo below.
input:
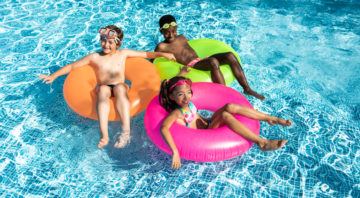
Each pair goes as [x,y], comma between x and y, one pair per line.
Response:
[164,94]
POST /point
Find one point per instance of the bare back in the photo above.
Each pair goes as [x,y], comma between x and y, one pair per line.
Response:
[180,48]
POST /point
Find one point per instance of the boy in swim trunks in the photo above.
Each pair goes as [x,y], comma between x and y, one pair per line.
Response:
[109,65]
[184,54]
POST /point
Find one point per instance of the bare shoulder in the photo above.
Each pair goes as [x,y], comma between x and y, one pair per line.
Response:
[93,57]
[177,113]
[160,47]
[182,37]
[177,116]
[171,118]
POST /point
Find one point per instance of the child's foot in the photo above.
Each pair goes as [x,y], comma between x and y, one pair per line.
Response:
[103,142]
[274,120]
[253,93]
[123,140]
[271,145]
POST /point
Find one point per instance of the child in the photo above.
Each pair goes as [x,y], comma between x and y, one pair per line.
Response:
[109,66]
[184,54]
[175,97]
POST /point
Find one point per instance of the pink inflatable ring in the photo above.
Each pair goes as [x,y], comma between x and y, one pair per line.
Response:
[205,145]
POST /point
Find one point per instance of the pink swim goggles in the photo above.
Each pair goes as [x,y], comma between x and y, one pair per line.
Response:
[108,34]
[180,82]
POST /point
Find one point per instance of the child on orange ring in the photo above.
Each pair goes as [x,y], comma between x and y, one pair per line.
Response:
[178,45]
[109,65]
[175,97]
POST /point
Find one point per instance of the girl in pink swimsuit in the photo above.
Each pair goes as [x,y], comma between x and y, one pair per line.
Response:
[175,97]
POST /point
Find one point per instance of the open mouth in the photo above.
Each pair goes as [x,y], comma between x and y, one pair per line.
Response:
[186,102]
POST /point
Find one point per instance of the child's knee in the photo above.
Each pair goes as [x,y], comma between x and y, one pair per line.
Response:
[229,107]
[214,63]
[225,115]
[230,56]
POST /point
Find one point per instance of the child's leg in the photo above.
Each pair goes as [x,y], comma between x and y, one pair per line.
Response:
[123,107]
[222,116]
[214,66]
[254,114]
[230,58]
[103,109]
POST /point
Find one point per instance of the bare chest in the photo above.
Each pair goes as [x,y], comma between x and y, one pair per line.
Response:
[111,69]
[182,52]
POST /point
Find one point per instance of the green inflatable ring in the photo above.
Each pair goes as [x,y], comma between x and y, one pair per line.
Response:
[203,48]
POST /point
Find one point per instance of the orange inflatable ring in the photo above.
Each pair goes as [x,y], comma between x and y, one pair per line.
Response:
[81,96]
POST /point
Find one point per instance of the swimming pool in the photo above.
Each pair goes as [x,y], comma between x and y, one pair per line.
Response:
[303,55]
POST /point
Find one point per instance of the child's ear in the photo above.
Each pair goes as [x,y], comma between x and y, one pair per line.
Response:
[171,96]
[119,44]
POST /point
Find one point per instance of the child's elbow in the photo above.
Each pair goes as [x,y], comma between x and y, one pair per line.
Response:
[164,128]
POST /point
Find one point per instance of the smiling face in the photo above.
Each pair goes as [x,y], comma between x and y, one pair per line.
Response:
[169,33]
[168,27]
[111,38]
[109,45]
[181,95]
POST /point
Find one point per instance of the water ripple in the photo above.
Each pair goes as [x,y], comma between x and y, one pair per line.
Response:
[303,56]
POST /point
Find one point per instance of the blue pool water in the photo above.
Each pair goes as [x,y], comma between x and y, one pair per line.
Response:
[304,56]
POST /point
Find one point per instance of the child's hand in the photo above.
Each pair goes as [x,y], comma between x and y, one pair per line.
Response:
[169,56]
[176,161]
[46,78]
[184,70]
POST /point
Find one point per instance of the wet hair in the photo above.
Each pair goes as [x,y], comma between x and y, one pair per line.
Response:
[164,94]
[166,19]
[119,32]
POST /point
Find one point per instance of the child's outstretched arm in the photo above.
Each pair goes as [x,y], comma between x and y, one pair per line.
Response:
[165,132]
[66,69]
[148,54]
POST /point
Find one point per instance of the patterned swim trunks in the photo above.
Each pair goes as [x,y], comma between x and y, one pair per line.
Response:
[193,62]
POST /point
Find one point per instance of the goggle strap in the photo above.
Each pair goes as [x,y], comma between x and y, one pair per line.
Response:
[180,82]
